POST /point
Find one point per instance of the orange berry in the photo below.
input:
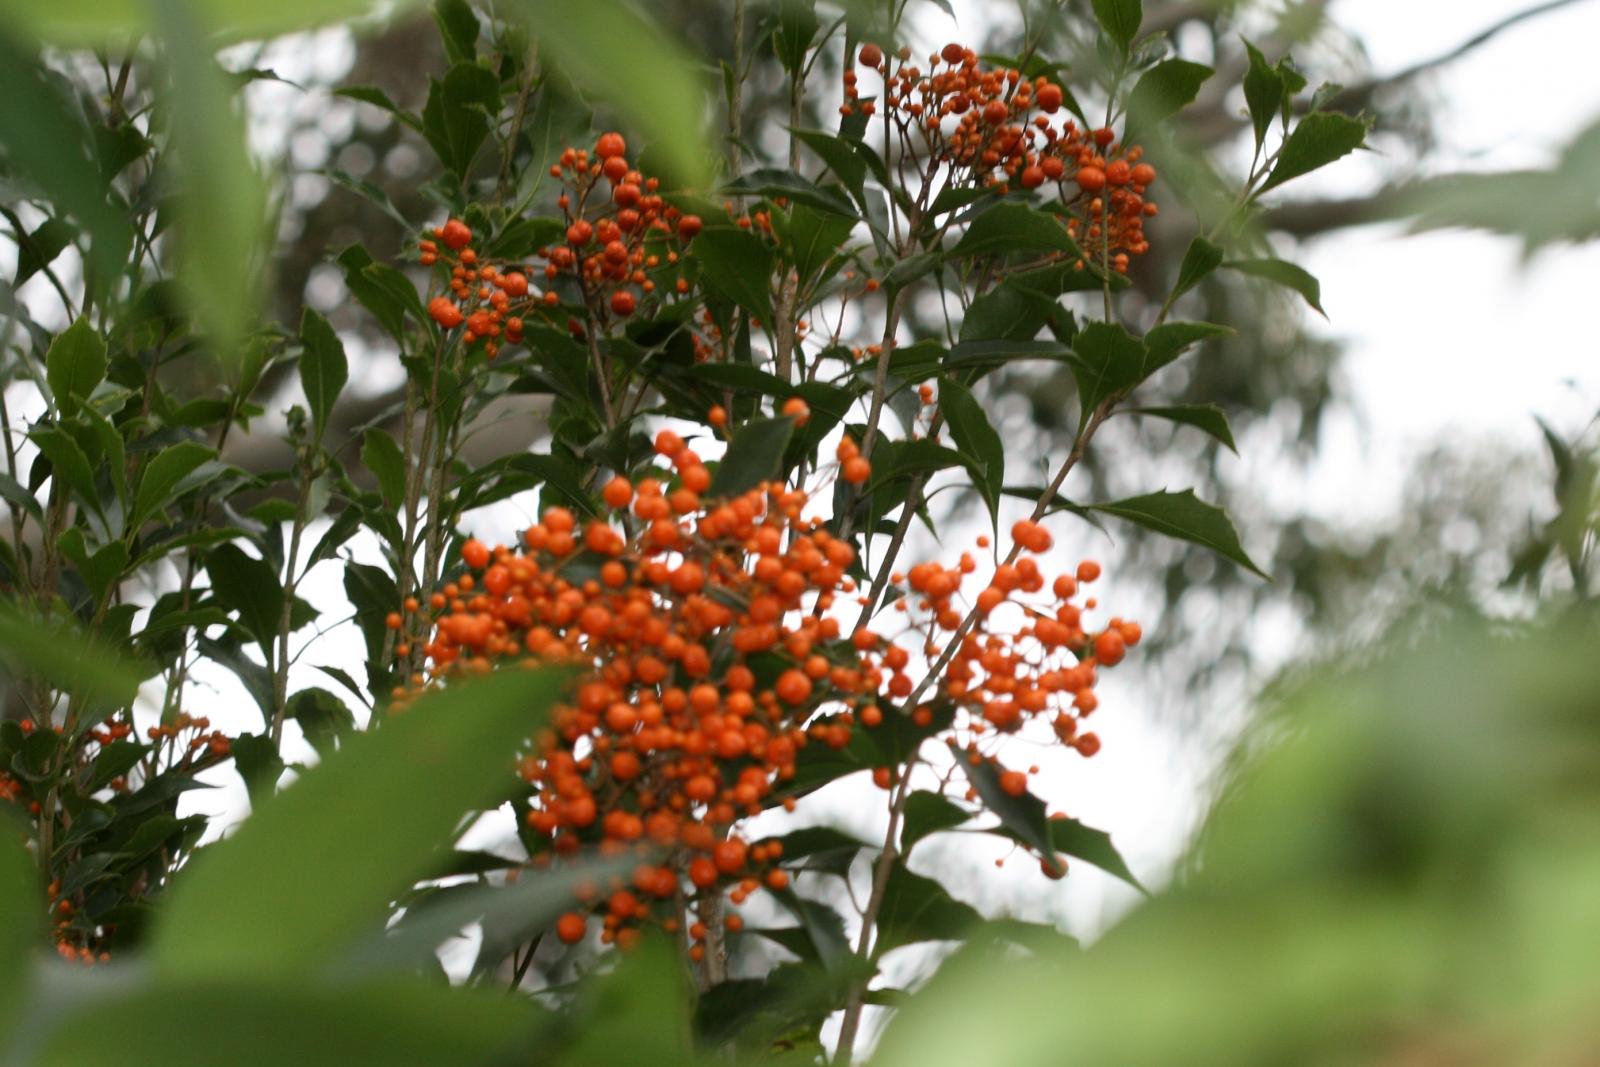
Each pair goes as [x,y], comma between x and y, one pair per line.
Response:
[475,554]
[618,492]
[870,55]
[571,927]
[729,855]
[610,145]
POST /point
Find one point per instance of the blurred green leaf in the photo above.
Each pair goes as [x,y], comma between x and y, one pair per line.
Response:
[45,141]
[257,760]
[455,120]
[458,26]
[1186,517]
[797,27]
[62,655]
[256,1021]
[611,50]
[398,793]
[23,931]
[85,22]
[1120,19]
[75,364]
[1163,91]
[221,199]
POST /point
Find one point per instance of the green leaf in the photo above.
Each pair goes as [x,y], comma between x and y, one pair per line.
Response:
[68,462]
[846,164]
[774,183]
[1168,341]
[797,28]
[616,54]
[1072,838]
[1164,90]
[821,848]
[111,22]
[1286,274]
[754,455]
[1206,417]
[100,569]
[324,719]
[250,1021]
[1109,363]
[221,201]
[45,142]
[1120,19]
[250,587]
[814,237]
[1201,259]
[737,265]
[1186,517]
[324,880]
[928,813]
[458,28]
[66,658]
[162,474]
[919,909]
[1263,92]
[381,289]
[1022,816]
[1317,140]
[1007,228]
[323,367]
[383,457]
[75,364]
[455,119]
[256,759]
[23,934]
[974,436]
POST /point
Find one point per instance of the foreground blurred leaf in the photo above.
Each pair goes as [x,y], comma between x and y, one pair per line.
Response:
[81,22]
[22,912]
[614,52]
[248,1021]
[221,199]
[398,791]
[64,657]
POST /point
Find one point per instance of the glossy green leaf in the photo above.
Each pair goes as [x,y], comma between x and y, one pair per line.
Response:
[1006,229]
[1108,363]
[1201,258]
[916,908]
[775,183]
[1170,340]
[755,455]
[928,813]
[383,457]
[1286,274]
[797,28]
[1186,517]
[612,51]
[975,437]
[846,164]
[323,880]
[323,367]
[67,462]
[1263,92]
[1317,140]
[75,364]
[1022,815]
[737,265]
[161,476]
[814,237]
[455,119]
[1206,417]
[250,587]
[1072,838]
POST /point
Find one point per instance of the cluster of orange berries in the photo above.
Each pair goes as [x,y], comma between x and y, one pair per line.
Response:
[996,129]
[702,664]
[216,742]
[62,912]
[710,657]
[618,237]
